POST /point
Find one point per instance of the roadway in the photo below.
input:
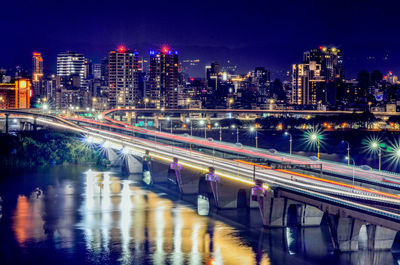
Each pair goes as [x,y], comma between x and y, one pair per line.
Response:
[386,205]
[388,179]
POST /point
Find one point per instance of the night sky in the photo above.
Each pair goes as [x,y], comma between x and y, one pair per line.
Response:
[250,33]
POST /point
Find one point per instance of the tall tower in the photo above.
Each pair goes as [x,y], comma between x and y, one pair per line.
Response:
[123,78]
[71,64]
[37,74]
[308,86]
[164,78]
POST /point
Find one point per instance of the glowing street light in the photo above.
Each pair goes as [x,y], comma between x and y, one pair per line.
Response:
[354,165]
[315,137]
[146,100]
[254,129]
[230,101]
[375,145]
[220,130]
[290,141]
[201,123]
[348,151]
[169,119]
[191,125]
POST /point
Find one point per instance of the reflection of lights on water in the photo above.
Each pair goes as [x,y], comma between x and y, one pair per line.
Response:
[291,239]
[177,255]
[125,221]
[106,210]
[195,256]
[159,220]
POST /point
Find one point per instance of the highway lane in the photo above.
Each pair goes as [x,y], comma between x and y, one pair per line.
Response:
[202,161]
[246,171]
[328,166]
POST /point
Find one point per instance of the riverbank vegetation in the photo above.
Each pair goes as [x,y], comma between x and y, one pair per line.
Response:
[45,147]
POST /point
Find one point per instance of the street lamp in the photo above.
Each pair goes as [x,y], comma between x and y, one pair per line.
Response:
[230,101]
[314,137]
[201,123]
[220,130]
[354,165]
[254,129]
[191,126]
[290,142]
[375,145]
[348,151]
[146,100]
[169,119]
[237,132]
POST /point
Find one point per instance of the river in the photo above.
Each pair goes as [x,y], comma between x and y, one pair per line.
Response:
[69,215]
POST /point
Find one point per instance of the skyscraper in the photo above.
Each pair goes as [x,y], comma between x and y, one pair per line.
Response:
[308,86]
[71,64]
[123,78]
[164,78]
[330,59]
[37,74]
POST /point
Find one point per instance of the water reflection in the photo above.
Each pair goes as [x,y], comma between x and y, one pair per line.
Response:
[104,219]
[147,227]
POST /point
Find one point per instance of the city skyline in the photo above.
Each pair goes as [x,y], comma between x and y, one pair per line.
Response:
[206,31]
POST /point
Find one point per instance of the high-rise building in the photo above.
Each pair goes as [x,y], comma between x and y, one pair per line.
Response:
[164,78]
[15,96]
[212,72]
[37,75]
[308,86]
[262,80]
[123,78]
[71,64]
[330,59]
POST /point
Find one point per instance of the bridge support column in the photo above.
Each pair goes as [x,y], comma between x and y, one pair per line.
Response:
[310,216]
[113,157]
[133,165]
[175,173]
[344,232]
[146,166]
[7,121]
[380,238]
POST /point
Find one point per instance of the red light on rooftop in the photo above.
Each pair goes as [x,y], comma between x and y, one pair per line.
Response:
[320,47]
[121,48]
[165,49]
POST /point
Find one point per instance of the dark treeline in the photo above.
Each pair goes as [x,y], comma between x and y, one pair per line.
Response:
[41,148]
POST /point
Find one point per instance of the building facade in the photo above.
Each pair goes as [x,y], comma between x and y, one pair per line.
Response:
[37,75]
[163,78]
[15,95]
[123,78]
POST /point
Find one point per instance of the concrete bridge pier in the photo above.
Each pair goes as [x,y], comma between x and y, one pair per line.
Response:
[227,194]
[133,164]
[379,237]
[113,157]
[344,232]
[281,212]
[146,169]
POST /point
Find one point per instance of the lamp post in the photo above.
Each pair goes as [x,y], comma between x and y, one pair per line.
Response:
[146,100]
[348,151]
[253,129]
[169,119]
[201,123]
[314,137]
[220,130]
[237,132]
[191,126]
[375,145]
[354,165]
[290,142]
[230,101]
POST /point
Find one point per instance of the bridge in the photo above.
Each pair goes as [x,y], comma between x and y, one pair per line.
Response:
[223,181]
[237,112]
